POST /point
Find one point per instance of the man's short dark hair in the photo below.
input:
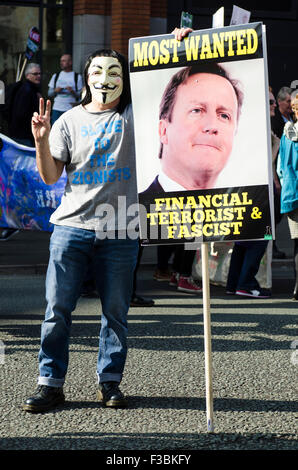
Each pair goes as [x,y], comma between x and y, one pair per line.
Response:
[125,97]
[168,98]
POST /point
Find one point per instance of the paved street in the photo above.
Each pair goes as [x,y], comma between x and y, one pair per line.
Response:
[254,368]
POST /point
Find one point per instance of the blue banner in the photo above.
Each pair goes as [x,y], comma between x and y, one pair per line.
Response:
[26,202]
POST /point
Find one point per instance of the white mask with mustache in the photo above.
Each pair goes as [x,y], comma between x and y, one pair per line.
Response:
[105,78]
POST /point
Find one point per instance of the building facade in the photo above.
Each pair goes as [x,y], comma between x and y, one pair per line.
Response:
[280,19]
[72,26]
[81,26]
[110,23]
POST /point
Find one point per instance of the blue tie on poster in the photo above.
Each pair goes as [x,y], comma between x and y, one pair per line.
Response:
[26,202]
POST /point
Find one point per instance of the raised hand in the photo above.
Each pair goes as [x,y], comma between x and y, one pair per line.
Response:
[41,122]
[181,33]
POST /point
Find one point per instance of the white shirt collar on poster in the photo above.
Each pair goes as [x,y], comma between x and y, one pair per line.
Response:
[168,184]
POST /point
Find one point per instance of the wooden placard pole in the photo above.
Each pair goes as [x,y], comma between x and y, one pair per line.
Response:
[207,337]
[18,68]
[22,70]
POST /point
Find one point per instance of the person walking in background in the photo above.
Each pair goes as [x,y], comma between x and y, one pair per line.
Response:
[181,274]
[288,171]
[65,87]
[275,142]
[247,255]
[283,112]
[162,272]
[24,103]
[182,271]
[244,266]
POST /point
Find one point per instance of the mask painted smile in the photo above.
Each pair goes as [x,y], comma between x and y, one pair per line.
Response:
[105,79]
[104,87]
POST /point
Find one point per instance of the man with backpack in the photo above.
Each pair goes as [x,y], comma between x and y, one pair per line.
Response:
[65,87]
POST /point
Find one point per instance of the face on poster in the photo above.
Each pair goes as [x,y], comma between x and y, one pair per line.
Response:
[238,150]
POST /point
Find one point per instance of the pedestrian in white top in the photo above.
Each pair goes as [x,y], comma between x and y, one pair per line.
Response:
[66,87]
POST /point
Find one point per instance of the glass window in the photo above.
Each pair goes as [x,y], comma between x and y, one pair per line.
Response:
[53,18]
[15,24]
[57,38]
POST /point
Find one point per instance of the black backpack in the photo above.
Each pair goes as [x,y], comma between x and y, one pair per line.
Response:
[75,78]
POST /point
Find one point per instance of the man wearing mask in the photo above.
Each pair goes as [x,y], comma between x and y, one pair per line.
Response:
[79,141]
[94,143]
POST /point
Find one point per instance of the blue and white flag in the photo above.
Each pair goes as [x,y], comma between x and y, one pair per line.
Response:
[26,202]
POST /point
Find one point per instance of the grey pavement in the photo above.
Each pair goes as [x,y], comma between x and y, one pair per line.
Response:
[254,346]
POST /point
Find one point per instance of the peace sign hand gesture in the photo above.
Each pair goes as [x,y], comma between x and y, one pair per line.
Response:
[40,123]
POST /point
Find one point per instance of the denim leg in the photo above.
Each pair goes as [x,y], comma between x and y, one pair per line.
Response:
[254,252]
[114,262]
[236,263]
[69,254]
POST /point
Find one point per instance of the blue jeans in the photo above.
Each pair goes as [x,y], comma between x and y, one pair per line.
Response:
[71,250]
[244,265]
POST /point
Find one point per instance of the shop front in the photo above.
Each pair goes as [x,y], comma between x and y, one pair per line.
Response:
[54,21]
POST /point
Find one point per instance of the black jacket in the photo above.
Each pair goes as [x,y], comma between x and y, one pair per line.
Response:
[25,103]
[154,187]
[277,123]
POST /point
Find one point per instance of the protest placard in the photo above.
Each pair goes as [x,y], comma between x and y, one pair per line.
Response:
[201,116]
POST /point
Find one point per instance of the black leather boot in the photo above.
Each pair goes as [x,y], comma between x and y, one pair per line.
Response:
[45,398]
[110,395]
